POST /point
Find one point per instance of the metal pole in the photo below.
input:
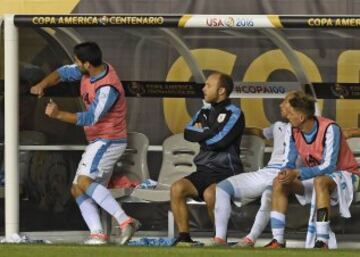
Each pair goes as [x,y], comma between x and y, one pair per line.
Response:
[11,127]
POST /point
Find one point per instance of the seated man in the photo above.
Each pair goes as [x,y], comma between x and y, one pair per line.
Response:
[249,186]
[328,164]
[218,129]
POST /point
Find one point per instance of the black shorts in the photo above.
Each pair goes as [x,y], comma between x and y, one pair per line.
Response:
[203,179]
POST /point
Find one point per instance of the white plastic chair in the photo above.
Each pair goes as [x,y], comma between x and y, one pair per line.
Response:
[178,155]
[133,164]
[252,149]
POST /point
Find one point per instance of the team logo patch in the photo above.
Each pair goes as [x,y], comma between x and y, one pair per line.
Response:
[221,117]
[103,95]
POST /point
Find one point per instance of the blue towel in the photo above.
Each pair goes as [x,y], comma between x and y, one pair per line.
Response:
[147,184]
[145,241]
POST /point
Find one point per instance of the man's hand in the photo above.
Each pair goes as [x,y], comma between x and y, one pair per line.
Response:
[198,125]
[52,79]
[287,176]
[38,89]
[52,110]
[350,132]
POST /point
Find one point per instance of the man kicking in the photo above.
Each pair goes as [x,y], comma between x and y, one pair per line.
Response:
[104,123]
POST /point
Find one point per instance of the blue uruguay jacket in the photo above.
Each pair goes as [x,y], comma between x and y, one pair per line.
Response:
[219,138]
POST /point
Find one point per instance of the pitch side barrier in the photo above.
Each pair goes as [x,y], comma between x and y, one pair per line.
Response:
[213,21]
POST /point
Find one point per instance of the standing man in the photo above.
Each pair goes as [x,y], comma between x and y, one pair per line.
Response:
[329,165]
[218,129]
[104,122]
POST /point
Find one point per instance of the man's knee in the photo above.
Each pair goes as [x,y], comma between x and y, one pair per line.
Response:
[277,185]
[227,187]
[83,183]
[209,194]
[178,190]
[75,191]
[322,183]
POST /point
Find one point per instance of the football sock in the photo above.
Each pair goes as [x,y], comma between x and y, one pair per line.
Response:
[102,196]
[278,226]
[322,231]
[90,212]
[262,216]
[222,212]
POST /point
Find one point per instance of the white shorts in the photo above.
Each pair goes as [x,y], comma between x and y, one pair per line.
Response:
[342,195]
[250,185]
[99,159]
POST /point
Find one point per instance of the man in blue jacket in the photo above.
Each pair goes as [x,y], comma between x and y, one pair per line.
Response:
[218,128]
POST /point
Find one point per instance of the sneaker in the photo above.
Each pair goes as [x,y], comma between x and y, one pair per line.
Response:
[187,243]
[96,239]
[217,241]
[128,228]
[245,243]
[274,244]
[320,244]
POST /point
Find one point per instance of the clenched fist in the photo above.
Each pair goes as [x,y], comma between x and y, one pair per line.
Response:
[52,110]
[38,89]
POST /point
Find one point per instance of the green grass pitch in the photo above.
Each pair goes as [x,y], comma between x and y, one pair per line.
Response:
[36,250]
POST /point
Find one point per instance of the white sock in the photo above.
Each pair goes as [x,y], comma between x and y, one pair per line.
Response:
[262,216]
[278,226]
[102,196]
[322,231]
[222,212]
[90,212]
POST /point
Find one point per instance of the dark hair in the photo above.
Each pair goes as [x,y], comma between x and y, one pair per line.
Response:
[226,82]
[89,52]
[303,103]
